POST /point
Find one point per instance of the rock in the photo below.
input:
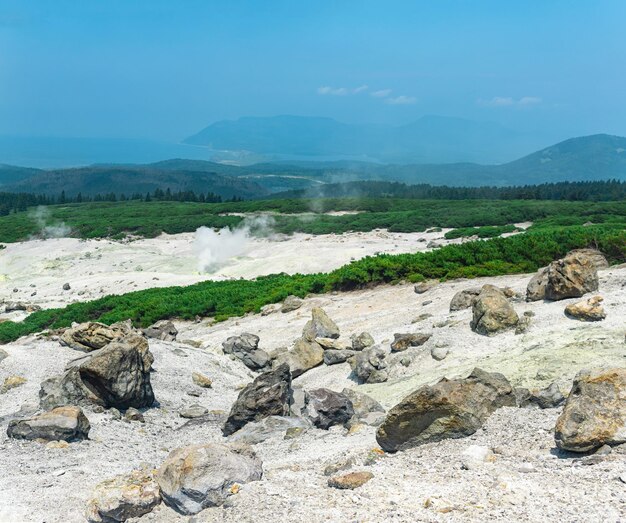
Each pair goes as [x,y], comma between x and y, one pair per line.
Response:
[245,347]
[536,289]
[320,326]
[595,411]
[524,323]
[201,380]
[331,344]
[402,342]
[291,303]
[193,411]
[337,466]
[115,414]
[362,341]
[548,398]
[326,408]
[333,357]
[351,480]
[90,336]
[449,409]
[425,286]
[15,306]
[268,395]
[463,299]
[132,414]
[61,423]
[200,476]
[522,396]
[439,353]
[66,287]
[571,277]
[475,455]
[123,497]
[12,382]
[293,432]
[3,355]
[587,310]
[117,375]
[54,444]
[366,408]
[594,255]
[492,312]
[271,308]
[163,330]
[260,431]
[422,317]
[303,356]
[369,365]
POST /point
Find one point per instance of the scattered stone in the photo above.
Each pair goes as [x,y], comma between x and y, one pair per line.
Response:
[15,306]
[320,326]
[303,356]
[439,353]
[350,481]
[338,466]
[200,476]
[331,344]
[492,312]
[422,317]
[201,380]
[193,411]
[115,414]
[548,398]
[163,330]
[595,411]
[3,355]
[12,382]
[524,323]
[369,366]
[267,395]
[271,308]
[463,299]
[362,341]
[571,277]
[61,423]
[475,455]
[425,286]
[66,287]
[587,310]
[402,342]
[54,444]
[294,432]
[366,409]
[333,357]
[262,430]
[291,303]
[449,409]
[123,497]
[132,414]
[326,408]
[245,347]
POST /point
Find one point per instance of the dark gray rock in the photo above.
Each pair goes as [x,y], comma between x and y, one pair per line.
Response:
[326,408]
[163,330]
[333,357]
[369,366]
[320,326]
[463,299]
[245,347]
[362,341]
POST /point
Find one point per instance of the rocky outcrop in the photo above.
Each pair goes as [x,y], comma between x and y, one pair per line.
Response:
[492,312]
[62,423]
[326,408]
[90,336]
[303,356]
[245,347]
[448,409]
[587,310]
[369,366]
[463,299]
[402,342]
[320,326]
[268,395]
[595,411]
[362,341]
[117,375]
[163,330]
[291,303]
[200,476]
[123,497]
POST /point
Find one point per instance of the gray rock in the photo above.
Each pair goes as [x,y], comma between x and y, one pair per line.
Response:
[326,408]
[362,341]
[245,347]
[320,326]
[402,342]
[90,336]
[548,398]
[369,366]
[272,426]
[268,395]
[331,344]
[536,289]
[14,306]
[439,353]
[163,330]
[492,312]
[200,476]
[193,411]
[303,356]
[571,277]
[291,303]
[366,409]
[66,287]
[3,355]
[463,299]
[425,286]
[333,357]
[61,423]
[448,409]
[594,255]
[132,414]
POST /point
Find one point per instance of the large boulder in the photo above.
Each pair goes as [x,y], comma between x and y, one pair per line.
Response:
[291,303]
[303,356]
[594,255]
[268,395]
[163,330]
[492,312]
[587,310]
[90,336]
[595,411]
[571,277]
[369,366]
[123,497]
[194,478]
[402,342]
[536,289]
[449,409]
[117,375]
[463,299]
[320,326]
[62,423]
[326,408]
[245,347]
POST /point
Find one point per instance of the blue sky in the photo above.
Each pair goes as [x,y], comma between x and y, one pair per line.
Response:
[165,69]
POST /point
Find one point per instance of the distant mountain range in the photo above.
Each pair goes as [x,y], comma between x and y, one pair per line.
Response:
[589,158]
[431,139]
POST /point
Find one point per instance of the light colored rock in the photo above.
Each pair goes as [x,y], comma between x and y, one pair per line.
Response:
[331,344]
[475,455]
[133,414]
[536,289]
[12,382]
[272,426]
[193,411]
[61,423]
[571,277]
[291,303]
[351,480]
[362,341]
[587,310]
[303,356]
[320,326]
[425,286]
[492,312]
[201,380]
[439,353]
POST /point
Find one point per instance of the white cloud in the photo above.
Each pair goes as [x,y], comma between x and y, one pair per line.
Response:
[383,93]
[507,101]
[340,91]
[401,100]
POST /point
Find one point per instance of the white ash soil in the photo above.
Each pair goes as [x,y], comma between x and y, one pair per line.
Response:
[528,480]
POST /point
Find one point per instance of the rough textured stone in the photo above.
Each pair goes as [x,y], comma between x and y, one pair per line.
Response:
[536,289]
[268,395]
[193,411]
[320,326]
[326,408]
[62,423]
[333,357]
[439,353]
[448,409]
[492,312]
[463,299]
[303,356]
[201,380]
[245,347]
[133,414]
[587,310]
[595,411]
[163,330]
[548,398]
[362,341]
[91,336]
[369,366]
[123,497]
[331,344]
[200,476]
[366,409]
[594,255]
[402,342]
[12,382]
[425,286]
[351,480]
[259,431]
[291,303]
[571,277]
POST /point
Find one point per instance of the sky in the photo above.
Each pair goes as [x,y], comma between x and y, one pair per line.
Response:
[163,70]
